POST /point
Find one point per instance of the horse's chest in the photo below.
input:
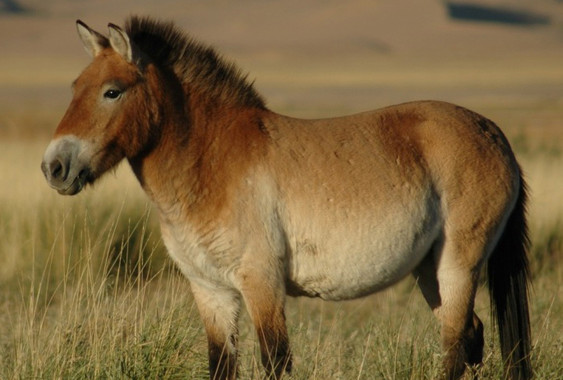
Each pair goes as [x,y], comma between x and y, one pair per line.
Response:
[201,256]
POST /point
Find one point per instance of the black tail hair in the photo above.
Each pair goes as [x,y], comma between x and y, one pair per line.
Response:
[508,278]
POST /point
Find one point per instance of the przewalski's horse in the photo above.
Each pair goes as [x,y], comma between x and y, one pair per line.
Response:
[255,206]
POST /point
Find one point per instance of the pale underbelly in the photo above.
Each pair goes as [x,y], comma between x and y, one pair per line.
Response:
[357,265]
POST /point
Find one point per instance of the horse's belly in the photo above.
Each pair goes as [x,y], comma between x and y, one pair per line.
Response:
[353,262]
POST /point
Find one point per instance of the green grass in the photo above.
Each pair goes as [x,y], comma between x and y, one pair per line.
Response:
[87,291]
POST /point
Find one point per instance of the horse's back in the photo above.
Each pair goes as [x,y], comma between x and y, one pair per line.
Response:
[406,145]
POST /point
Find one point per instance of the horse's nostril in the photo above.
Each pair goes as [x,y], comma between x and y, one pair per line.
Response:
[57,170]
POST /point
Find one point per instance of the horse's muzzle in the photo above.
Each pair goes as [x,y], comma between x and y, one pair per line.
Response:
[64,165]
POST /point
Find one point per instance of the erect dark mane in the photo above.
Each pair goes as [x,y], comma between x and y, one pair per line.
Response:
[198,66]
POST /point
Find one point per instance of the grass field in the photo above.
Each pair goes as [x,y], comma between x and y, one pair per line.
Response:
[86,288]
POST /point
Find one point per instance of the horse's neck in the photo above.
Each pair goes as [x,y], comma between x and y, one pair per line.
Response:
[160,166]
[196,157]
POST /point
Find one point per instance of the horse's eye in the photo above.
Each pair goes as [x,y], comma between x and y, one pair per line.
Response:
[112,94]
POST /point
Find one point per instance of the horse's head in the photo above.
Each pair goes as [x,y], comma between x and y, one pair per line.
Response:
[109,117]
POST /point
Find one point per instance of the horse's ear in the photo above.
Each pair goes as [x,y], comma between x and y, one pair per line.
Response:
[93,41]
[120,42]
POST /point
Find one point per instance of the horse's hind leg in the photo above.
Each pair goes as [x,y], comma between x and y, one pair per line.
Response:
[450,292]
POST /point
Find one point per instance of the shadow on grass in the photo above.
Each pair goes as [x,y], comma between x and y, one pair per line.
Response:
[468,11]
[12,7]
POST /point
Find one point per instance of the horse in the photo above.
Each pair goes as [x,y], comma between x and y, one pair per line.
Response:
[255,206]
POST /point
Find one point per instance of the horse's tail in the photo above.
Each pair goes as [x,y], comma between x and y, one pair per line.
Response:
[508,279]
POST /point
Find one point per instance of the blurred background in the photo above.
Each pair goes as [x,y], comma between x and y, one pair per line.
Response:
[309,58]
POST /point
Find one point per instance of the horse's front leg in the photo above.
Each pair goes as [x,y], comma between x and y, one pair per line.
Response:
[219,309]
[264,295]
